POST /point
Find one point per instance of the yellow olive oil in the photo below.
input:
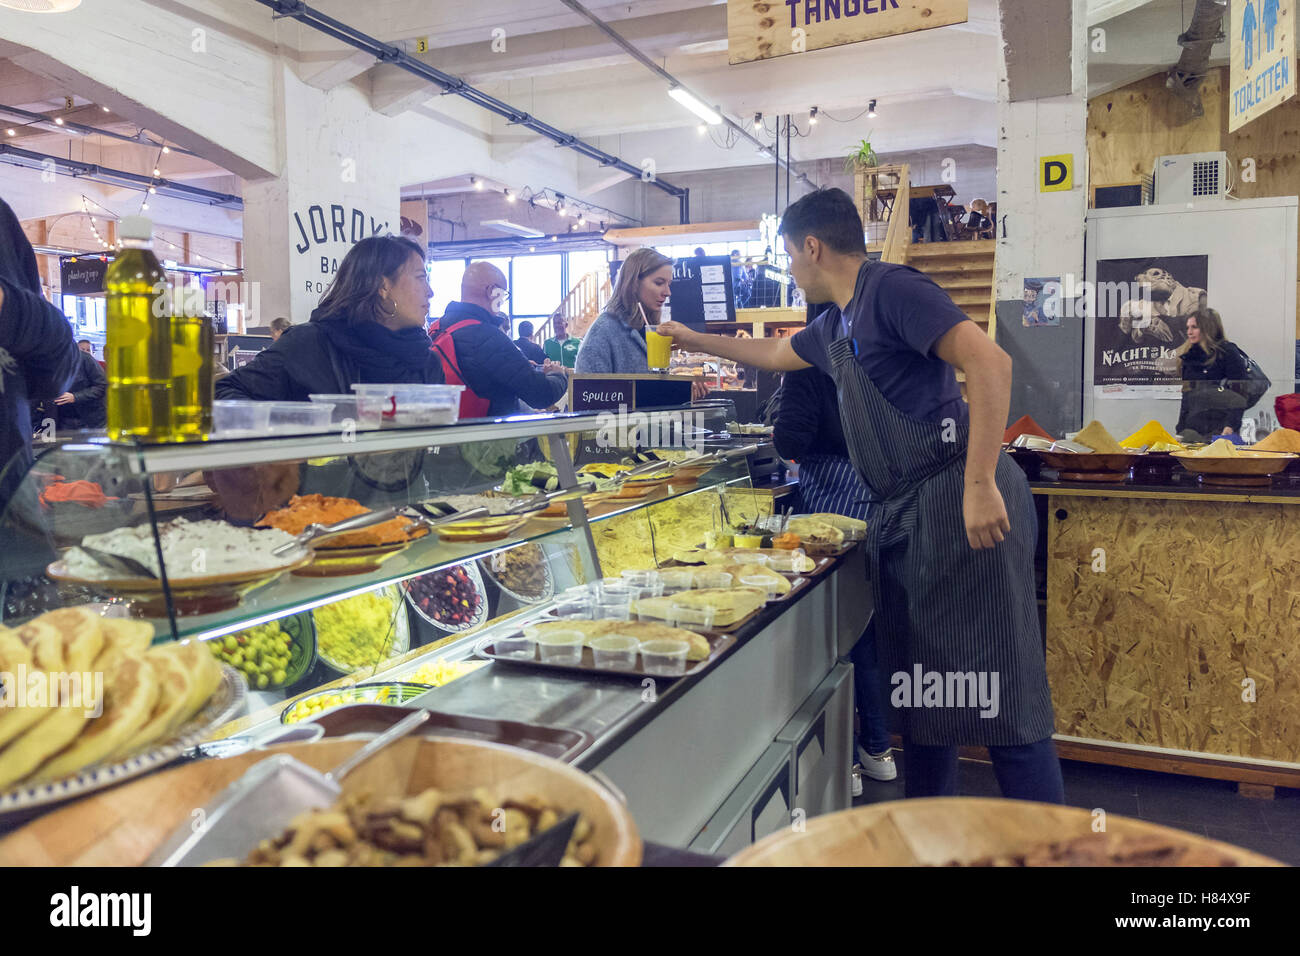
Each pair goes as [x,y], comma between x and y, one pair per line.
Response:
[138,351]
[192,367]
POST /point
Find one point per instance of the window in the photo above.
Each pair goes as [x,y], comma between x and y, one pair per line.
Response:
[444,277]
[582,263]
[536,287]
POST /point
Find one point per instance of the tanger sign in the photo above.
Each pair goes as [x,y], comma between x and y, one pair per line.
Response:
[759,29]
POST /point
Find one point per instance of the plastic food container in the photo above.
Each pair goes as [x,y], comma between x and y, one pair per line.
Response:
[522,647]
[239,419]
[752,557]
[664,656]
[575,607]
[712,579]
[560,647]
[674,581]
[611,609]
[787,563]
[615,650]
[749,541]
[761,583]
[345,408]
[295,418]
[654,589]
[641,579]
[690,617]
[410,404]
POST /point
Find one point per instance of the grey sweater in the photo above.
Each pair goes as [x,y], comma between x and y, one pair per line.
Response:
[610,346]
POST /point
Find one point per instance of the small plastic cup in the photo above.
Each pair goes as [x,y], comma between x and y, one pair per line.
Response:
[749,540]
[560,647]
[655,589]
[711,579]
[521,647]
[615,650]
[664,656]
[751,557]
[641,579]
[576,607]
[761,583]
[612,610]
[691,617]
[674,581]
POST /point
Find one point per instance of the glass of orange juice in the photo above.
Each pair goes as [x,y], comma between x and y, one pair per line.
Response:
[658,349]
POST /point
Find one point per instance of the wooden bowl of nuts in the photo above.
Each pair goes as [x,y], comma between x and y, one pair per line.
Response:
[467,784]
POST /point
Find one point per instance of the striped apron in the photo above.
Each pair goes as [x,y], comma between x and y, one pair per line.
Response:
[829,483]
[942,606]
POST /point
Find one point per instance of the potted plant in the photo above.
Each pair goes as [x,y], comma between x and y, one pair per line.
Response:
[864,155]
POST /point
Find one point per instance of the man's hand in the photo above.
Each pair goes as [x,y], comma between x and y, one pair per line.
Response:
[681,334]
[550,366]
[67,398]
[985,514]
[699,390]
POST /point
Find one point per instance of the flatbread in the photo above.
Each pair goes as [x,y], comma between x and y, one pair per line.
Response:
[738,571]
[57,728]
[729,605]
[13,652]
[641,630]
[122,638]
[130,693]
[850,526]
[175,686]
[204,671]
[68,639]
[816,529]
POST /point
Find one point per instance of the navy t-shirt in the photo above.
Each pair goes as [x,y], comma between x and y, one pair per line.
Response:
[911,315]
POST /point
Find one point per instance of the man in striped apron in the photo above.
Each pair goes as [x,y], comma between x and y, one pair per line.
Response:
[952,527]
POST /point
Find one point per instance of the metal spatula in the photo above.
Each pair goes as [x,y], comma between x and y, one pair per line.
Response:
[118,564]
[263,802]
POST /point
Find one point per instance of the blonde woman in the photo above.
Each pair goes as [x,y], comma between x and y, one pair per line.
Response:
[1212,370]
[615,343]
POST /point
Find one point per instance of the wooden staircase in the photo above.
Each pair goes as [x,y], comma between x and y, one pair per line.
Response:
[962,269]
[582,305]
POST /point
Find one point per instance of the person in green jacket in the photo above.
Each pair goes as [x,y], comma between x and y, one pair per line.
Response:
[562,347]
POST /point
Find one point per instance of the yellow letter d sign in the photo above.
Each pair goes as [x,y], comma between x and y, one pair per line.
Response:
[1055,173]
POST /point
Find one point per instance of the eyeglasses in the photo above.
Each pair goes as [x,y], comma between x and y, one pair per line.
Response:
[505,293]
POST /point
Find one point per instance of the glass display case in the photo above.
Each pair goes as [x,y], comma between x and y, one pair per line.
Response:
[203,541]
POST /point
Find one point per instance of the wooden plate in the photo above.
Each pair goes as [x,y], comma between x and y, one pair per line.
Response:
[939,830]
[124,826]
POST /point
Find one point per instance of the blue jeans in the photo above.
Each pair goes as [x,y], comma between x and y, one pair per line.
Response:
[1025,772]
[867,694]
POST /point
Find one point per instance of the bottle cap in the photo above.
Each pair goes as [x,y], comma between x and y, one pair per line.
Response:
[135,227]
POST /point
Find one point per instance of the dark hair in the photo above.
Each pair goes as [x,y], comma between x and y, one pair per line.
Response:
[87,341]
[699,252]
[280,324]
[353,296]
[829,215]
[525,329]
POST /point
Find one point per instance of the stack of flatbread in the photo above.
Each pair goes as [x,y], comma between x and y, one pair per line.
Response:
[853,528]
[641,630]
[698,556]
[95,690]
[729,605]
[817,534]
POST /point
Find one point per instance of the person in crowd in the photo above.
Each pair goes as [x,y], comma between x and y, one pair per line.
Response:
[948,508]
[740,280]
[368,327]
[699,252]
[475,351]
[977,219]
[86,346]
[532,351]
[1207,359]
[84,404]
[279,326]
[807,430]
[38,356]
[562,347]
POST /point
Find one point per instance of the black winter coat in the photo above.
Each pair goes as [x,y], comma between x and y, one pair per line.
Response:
[492,365]
[89,388]
[1206,409]
[808,416]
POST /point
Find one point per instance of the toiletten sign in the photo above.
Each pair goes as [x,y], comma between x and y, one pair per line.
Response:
[759,29]
[1263,58]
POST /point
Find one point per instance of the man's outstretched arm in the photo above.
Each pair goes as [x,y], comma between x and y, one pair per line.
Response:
[775,355]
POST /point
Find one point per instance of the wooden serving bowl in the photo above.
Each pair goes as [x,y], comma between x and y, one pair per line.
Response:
[1255,468]
[939,830]
[123,826]
[1090,467]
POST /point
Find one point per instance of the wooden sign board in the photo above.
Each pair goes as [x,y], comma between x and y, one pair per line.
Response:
[759,29]
[1263,58]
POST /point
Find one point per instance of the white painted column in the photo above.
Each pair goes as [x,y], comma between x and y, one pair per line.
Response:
[339,183]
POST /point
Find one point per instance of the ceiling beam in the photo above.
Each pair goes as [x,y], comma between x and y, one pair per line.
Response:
[1099,11]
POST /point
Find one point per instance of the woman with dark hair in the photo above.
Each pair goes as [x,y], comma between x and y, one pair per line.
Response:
[369,327]
[1213,371]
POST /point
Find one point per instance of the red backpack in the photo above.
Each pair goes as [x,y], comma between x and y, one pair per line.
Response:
[1287,408]
[471,404]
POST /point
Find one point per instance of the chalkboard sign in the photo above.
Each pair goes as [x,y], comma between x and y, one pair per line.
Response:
[82,275]
[603,393]
[703,291]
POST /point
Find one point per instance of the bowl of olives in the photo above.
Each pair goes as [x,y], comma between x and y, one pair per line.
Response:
[271,656]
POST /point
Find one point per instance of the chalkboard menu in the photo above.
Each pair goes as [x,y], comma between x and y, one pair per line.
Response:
[702,291]
[82,275]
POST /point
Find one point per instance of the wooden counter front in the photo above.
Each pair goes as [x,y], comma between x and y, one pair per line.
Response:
[1174,625]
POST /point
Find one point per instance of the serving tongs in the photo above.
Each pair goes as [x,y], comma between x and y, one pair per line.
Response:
[440,510]
[718,457]
[317,532]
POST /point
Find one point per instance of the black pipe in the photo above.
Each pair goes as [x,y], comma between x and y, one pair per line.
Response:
[386,53]
[118,177]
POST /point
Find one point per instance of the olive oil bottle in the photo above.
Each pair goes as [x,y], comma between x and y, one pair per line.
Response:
[138,351]
[192,368]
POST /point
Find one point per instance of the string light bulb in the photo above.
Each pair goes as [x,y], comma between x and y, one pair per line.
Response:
[812,116]
[758,121]
[11,132]
[166,149]
[58,121]
[871,110]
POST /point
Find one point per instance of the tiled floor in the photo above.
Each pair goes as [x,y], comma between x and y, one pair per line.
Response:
[1209,807]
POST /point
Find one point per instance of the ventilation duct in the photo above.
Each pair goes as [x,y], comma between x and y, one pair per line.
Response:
[1206,29]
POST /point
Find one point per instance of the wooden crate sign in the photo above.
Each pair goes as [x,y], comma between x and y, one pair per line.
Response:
[759,29]
[1263,58]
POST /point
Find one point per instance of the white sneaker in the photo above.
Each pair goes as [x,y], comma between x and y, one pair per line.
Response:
[856,776]
[877,766]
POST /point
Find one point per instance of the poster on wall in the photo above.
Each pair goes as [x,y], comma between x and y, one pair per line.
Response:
[1042,302]
[1141,308]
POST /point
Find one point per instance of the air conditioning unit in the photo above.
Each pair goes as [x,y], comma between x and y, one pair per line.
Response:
[1189,177]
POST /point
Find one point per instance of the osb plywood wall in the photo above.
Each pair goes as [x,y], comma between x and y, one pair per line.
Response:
[1194,598]
[1129,127]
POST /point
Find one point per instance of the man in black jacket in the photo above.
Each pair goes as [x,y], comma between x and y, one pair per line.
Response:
[84,404]
[37,353]
[490,365]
